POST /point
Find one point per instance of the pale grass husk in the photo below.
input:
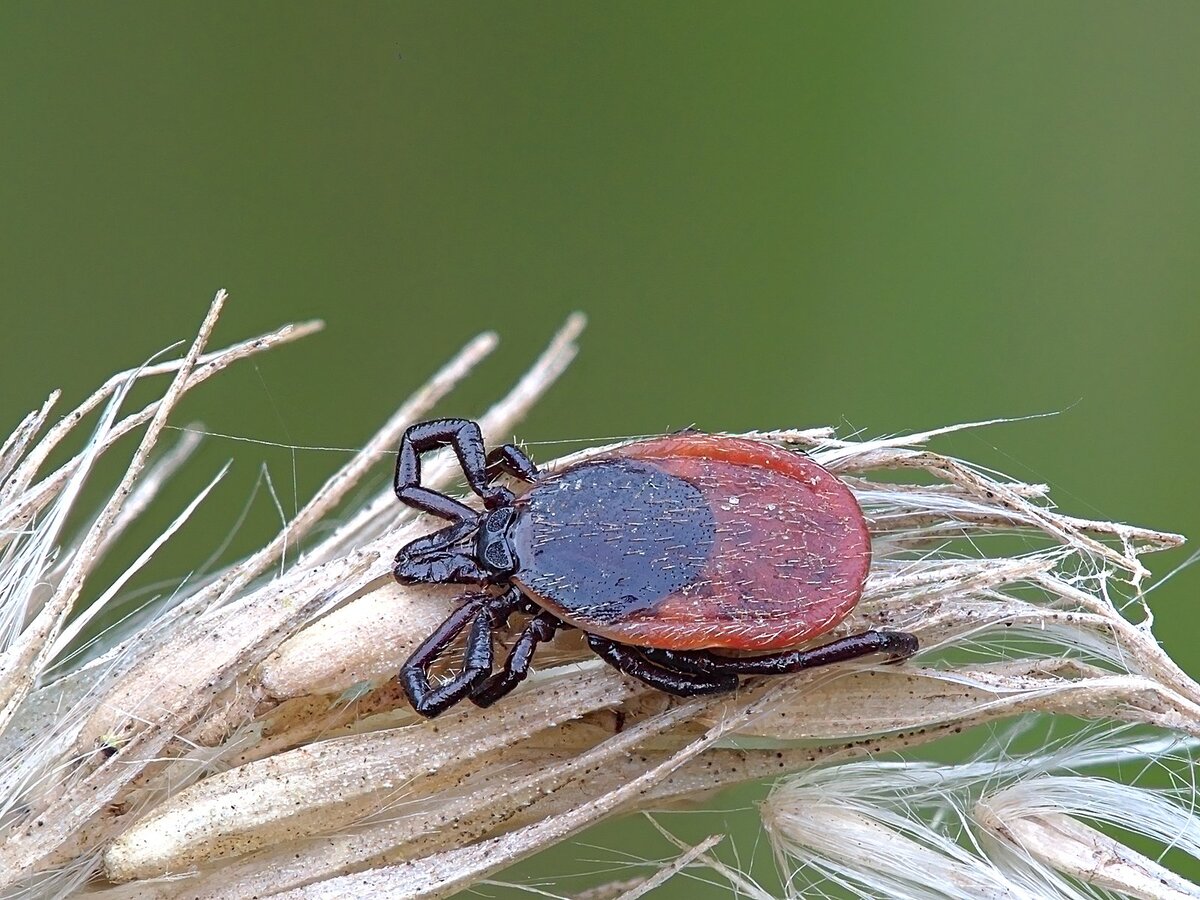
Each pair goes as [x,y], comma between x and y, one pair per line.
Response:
[248,738]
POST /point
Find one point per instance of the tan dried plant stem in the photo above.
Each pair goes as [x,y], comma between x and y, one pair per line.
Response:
[251,739]
[28,656]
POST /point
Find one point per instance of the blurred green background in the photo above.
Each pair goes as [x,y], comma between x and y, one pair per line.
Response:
[885,217]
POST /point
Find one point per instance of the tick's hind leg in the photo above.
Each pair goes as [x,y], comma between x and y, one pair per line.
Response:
[540,629]
[483,612]
[679,683]
[896,644]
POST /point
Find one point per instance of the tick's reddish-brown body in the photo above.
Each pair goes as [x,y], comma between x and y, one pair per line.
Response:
[694,541]
[660,551]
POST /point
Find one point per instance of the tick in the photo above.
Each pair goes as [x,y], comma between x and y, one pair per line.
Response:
[660,551]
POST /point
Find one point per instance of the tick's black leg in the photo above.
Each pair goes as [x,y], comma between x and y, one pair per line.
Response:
[477,661]
[481,611]
[897,644]
[681,685]
[434,559]
[436,504]
[510,459]
[439,568]
[467,440]
[442,539]
[539,630]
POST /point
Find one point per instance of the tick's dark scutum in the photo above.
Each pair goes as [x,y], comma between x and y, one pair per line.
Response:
[612,538]
[695,541]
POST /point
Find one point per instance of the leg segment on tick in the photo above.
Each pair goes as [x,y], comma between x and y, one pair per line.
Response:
[896,644]
[483,613]
[681,684]
[435,558]
[479,467]
[510,459]
[540,629]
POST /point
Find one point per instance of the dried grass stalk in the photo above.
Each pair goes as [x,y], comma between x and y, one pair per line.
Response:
[248,737]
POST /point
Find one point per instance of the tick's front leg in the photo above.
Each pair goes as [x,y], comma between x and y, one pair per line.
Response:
[467,440]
